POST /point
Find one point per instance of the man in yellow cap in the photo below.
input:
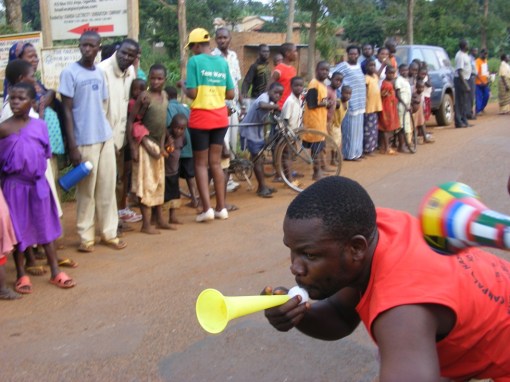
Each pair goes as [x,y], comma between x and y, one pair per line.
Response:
[208,84]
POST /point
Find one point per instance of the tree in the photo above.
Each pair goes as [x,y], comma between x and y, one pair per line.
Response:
[13,14]
[410,22]
[290,21]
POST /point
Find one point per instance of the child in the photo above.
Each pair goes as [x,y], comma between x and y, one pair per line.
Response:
[418,114]
[427,93]
[341,112]
[126,214]
[404,94]
[292,116]
[414,68]
[252,136]
[174,145]
[388,117]
[21,71]
[315,114]
[24,150]
[373,107]
[7,242]
[148,177]
[284,71]
[292,113]
[186,164]
[334,130]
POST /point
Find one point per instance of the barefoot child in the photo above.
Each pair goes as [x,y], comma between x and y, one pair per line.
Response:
[7,242]
[388,117]
[24,150]
[373,107]
[252,132]
[315,115]
[148,176]
[175,142]
[418,113]
[334,129]
[427,93]
[404,94]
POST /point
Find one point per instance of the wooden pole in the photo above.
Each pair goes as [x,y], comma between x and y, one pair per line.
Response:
[45,24]
[133,19]
[181,17]
[290,22]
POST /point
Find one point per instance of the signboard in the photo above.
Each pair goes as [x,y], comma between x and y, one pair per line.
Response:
[6,41]
[70,18]
[54,60]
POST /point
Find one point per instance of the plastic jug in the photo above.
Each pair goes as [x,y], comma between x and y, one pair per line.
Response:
[70,179]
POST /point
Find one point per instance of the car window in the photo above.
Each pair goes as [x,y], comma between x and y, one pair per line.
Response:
[431,59]
[442,57]
[415,55]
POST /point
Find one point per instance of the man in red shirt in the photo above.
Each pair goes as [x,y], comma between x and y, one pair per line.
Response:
[284,71]
[433,317]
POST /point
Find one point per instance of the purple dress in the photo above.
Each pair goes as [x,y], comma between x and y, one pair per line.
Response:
[23,163]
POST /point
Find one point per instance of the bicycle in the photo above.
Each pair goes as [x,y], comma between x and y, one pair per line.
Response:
[299,156]
[411,137]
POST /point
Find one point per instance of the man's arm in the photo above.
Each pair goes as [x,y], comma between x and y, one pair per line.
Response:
[406,336]
[248,81]
[74,153]
[329,319]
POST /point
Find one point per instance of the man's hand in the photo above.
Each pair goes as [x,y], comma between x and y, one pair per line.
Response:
[75,156]
[288,315]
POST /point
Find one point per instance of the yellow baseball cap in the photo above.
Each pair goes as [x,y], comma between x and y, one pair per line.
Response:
[198,35]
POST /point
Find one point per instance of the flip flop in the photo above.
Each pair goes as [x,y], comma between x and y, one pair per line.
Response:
[115,243]
[23,282]
[62,280]
[266,193]
[231,207]
[86,247]
[68,263]
[36,270]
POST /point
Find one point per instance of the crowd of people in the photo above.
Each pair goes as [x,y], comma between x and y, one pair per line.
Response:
[140,140]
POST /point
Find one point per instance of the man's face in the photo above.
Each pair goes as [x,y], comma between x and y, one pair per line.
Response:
[322,72]
[126,55]
[321,264]
[352,56]
[264,53]
[368,51]
[223,39]
[89,47]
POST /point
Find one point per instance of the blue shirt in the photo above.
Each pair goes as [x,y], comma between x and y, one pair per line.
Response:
[255,115]
[174,108]
[88,90]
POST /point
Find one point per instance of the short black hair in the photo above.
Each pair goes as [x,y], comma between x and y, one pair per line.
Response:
[15,69]
[158,67]
[275,85]
[296,78]
[25,86]
[351,47]
[90,33]
[320,63]
[262,46]
[381,49]
[286,47]
[337,74]
[463,44]
[176,119]
[344,207]
[171,91]
[130,41]
[402,66]
[346,87]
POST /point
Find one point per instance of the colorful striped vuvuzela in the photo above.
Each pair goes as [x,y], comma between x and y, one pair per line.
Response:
[453,217]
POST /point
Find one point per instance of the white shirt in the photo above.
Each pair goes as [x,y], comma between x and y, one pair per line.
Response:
[292,112]
[463,62]
[233,66]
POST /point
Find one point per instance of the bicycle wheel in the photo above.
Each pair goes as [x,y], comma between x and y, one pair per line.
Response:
[268,164]
[411,137]
[305,158]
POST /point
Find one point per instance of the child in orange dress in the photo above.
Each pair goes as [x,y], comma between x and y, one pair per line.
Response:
[388,118]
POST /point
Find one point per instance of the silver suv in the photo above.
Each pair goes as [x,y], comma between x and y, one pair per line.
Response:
[440,76]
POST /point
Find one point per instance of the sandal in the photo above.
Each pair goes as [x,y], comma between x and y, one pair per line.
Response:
[36,270]
[86,247]
[114,243]
[23,285]
[69,263]
[62,280]
[265,193]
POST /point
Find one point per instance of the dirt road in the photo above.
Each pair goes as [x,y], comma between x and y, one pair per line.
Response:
[132,316]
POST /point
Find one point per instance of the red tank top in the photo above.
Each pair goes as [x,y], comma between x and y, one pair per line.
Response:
[474,284]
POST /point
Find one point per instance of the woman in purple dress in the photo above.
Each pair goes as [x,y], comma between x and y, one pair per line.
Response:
[24,150]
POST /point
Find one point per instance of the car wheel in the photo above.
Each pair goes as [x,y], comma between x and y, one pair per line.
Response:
[444,115]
